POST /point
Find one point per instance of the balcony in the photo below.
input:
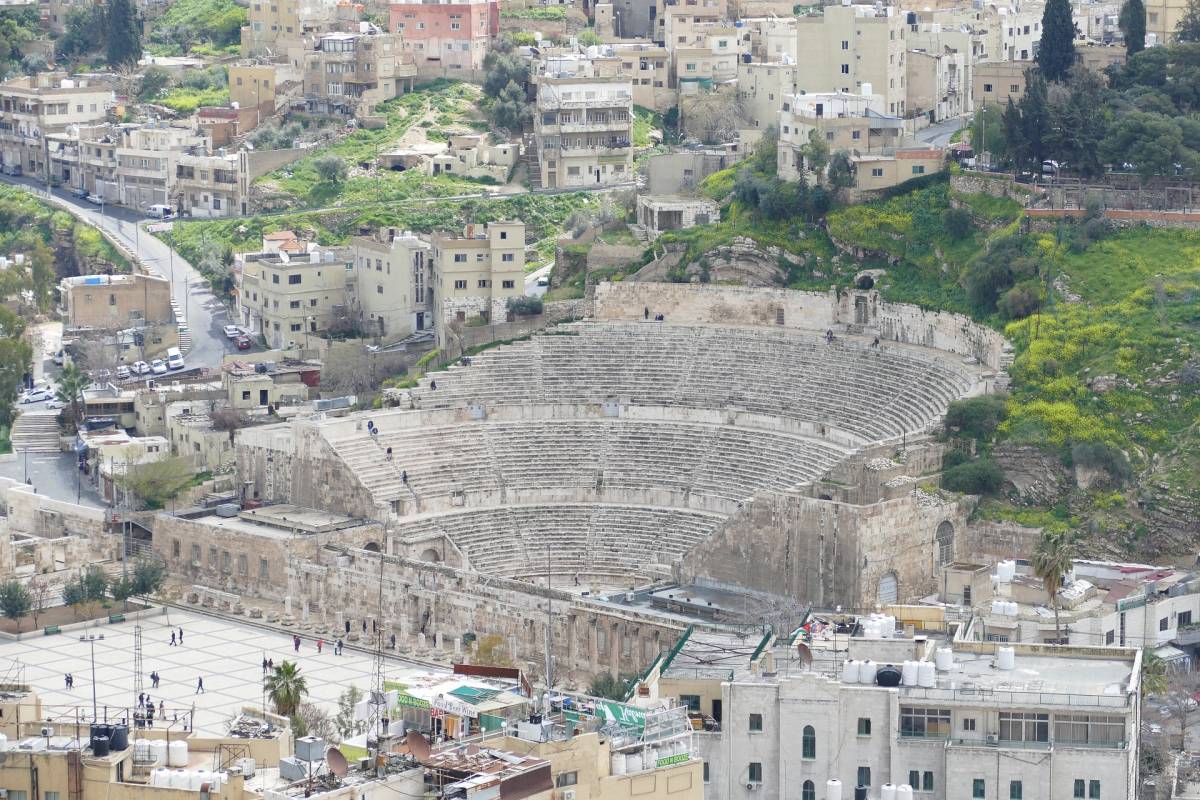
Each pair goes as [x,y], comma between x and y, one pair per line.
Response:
[1004,744]
[612,148]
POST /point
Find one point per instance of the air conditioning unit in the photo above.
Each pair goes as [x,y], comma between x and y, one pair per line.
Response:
[993,739]
[752,787]
[566,794]
[3,794]
[47,730]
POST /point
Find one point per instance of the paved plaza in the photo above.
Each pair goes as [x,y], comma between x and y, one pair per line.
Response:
[227,655]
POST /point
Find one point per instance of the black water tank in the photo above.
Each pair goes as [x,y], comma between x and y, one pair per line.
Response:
[888,676]
[99,746]
[119,740]
[860,792]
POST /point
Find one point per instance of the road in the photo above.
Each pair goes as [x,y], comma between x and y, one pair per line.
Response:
[939,133]
[532,289]
[205,314]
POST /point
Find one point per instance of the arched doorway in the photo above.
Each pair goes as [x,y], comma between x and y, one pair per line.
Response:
[431,555]
[371,547]
[944,538]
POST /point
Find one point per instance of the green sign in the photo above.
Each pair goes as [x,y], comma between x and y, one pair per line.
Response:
[623,715]
[406,699]
[678,758]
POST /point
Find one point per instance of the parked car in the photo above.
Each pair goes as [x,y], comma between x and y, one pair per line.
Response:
[231,331]
[11,169]
[58,358]
[174,358]
[158,367]
[243,343]
[94,199]
[160,211]
[123,373]
[141,368]
[543,281]
[53,404]
[37,396]
[79,191]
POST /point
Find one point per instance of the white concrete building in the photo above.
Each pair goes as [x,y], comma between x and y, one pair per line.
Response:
[584,130]
[389,288]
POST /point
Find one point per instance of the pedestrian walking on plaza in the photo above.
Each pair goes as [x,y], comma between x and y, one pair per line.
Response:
[393,641]
[364,626]
[337,650]
[404,476]
[200,685]
[264,665]
[154,678]
[320,645]
[173,642]
[162,709]
[347,627]
[142,699]
[433,385]
[271,664]
[296,644]
[181,635]
[66,680]
[646,312]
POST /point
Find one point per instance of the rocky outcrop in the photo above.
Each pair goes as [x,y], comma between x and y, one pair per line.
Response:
[1032,474]
[744,262]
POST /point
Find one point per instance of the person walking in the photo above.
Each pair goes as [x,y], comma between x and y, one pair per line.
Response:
[200,685]
[162,709]
[393,641]
[347,627]
[338,648]
[181,634]
[154,678]
[66,680]
[320,645]
[296,644]
[264,665]
[173,642]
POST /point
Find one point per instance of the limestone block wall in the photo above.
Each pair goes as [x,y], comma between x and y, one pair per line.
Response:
[37,514]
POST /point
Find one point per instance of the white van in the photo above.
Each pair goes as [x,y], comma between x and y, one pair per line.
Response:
[160,211]
[174,358]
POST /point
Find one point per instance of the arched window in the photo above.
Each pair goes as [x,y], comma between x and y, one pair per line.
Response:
[945,543]
[888,589]
[808,742]
[808,791]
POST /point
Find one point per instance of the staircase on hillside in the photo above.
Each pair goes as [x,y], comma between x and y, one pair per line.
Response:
[533,164]
[35,432]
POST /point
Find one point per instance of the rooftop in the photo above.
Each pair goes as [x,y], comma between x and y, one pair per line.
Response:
[280,521]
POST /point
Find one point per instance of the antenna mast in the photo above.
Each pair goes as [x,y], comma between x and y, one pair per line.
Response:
[375,732]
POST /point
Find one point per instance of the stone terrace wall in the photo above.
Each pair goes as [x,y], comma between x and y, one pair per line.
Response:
[728,305]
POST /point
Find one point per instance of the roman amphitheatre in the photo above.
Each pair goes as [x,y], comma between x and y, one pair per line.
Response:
[636,473]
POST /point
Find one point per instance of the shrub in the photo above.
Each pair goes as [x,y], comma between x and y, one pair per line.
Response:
[976,417]
[1020,301]
[953,458]
[1098,455]
[958,222]
[524,306]
[982,476]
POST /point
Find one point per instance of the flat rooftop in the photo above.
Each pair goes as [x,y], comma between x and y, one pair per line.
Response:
[280,521]
[1044,674]
[715,655]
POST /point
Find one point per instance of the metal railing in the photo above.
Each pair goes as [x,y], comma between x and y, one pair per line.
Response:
[1016,698]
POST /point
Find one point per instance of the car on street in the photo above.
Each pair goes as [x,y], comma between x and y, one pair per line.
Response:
[95,199]
[174,358]
[543,281]
[58,358]
[231,331]
[36,396]
[243,343]
[141,368]
[158,367]
[53,404]
[123,373]
[79,191]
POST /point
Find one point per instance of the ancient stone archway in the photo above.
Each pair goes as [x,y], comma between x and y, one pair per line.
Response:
[944,539]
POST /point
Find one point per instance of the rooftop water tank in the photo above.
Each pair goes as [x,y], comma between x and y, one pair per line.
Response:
[888,675]
[944,659]
[177,754]
[100,746]
[618,763]
[833,789]
[887,792]
[1006,658]
[866,672]
[904,792]
[850,670]
[926,675]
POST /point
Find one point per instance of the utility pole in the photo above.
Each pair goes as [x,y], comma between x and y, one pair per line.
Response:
[549,632]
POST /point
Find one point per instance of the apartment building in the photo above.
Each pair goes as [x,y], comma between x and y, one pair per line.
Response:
[850,122]
[350,73]
[583,129]
[390,288]
[290,296]
[115,301]
[475,273]
[146,161]
[648,68]
[853,49]
[446,38]
[1162,18]
[762,89]
[254,85]
[272,25]
[211,184]
[905,714]
[34,107]
[998,82]
[938,84]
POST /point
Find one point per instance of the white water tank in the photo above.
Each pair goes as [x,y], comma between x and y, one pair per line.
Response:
[160,776]
[1006,571]
[944,659]
[177,754]
[158,751]
[887,627]
[1011,609]
[908,673]
[3,742]
[649,757]
[850,670]
[618,763]
[633,762]
[201,777]
[866,671]
[904,792]
[887,792]
[181,779]
[998,607]
[926,674]
[833,789]
[1006,658]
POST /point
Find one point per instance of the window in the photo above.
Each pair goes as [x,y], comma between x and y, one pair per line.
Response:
[507,284]
[1088,729]
[503,234]
[924,722]
[1020,726]
[1110,637]
[808,791]
[246,395]
[460,258]
[987,87]
[175,548]
[274,279]
[296,326]
[756,722]
[864,726]
[706,772]
[845,44]
[1184,619]
[1014,790]
[264,568]
[1162,624]
[864,776]
[1093,790]
[876,172]
[968,723]
[979,788]
[196,560]
[845,69]
[566,779]
[808,742]
[914,779]
[918,171]
[243,564]
[755,772]
[51,795]
[1014,87]
[1078,793]
[507,257]
[484,283]
[378,289]
[294,279]
[856,135]
[692,701]
[294,304]
[927,786]
[460,284]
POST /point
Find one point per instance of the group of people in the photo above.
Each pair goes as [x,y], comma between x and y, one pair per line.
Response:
[143,715]
[646,315]
[180,640]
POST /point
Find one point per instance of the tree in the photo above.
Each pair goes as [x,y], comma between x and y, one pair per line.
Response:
[154,80]
[39,592]
[331,169]
[15,355]
[286,688]
[1188,28]
[1056,54]
[1079,124]
[712,117]
[1035,120]
[840,174]
[121,590]
[344,722]
[816,153]
[312,720]
[510,110]
[1153,143]
[15,600]
[88,588]
[123,44]
[83,32]
[1053,558]
[1154,674]
[148,577]
[71,383]
[74,596]
[155,483]
[1133,26]
[605,685]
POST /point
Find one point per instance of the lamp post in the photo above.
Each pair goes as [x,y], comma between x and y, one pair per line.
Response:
[91,638]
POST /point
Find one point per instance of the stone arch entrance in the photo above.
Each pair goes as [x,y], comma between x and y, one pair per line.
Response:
[944,540]
[371,547]
[431,555]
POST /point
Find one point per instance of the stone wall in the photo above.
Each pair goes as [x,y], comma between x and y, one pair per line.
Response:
[29,512]
[987,542]
[603,255]
[1046,220]
[994,184]
[815,311]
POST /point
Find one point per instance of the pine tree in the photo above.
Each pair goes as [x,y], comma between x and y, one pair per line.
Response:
[1057,52]
[1188,29]
[124,45]
[1133,26]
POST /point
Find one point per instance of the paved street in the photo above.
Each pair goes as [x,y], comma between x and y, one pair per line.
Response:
[939,133]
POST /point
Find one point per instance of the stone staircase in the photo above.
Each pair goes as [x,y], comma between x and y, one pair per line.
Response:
[35,432]
[533,164]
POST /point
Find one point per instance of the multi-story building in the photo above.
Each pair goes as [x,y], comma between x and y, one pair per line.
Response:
[146,159]
[34,107]
[998,82]
[762,90]
[446,38]
[291,296]
[853,49]
[1162,19]
[648,67]
[254,84]
[349,73]
[937,84]
[390,287]
[211,184]
[583,129]
[273,24]
[980,720]
[115,301]
[850,122]
[475,273]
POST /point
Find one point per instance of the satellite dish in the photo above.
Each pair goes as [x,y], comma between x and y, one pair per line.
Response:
[804,654]
[336,762]
[419,745]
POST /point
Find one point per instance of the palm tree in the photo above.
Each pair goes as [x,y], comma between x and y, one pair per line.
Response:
[1154,674]
[71,383]
[1052,559]
[286,687]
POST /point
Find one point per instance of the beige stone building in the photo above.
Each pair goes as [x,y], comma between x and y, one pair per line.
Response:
[273,23]
[873,173]
[115,301]
[648,67]
[1162,18]
[583,129]
[211,184]
[476,155]
[146,162]
[350,73]
[849,122]
[32,108]
[254,85]
[762,90]
[390,288]
[252,386]
[853,49]
[290,296]
[475,273]
[193,437]
[999,81]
